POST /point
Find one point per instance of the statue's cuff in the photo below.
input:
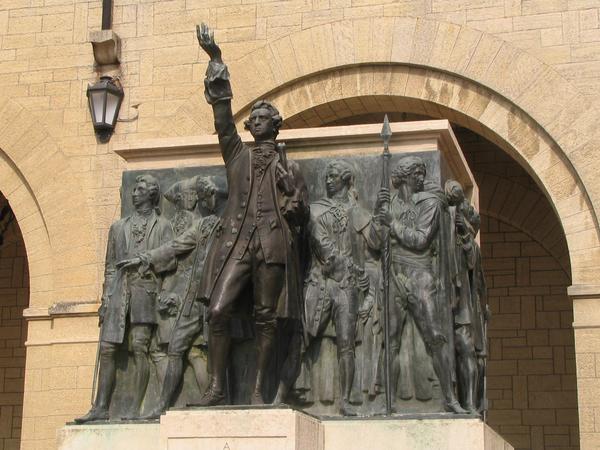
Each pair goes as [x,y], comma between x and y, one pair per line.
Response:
[216,84]
[217,71]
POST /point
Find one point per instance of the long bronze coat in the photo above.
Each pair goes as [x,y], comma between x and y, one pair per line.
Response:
[240,178]
[132,295]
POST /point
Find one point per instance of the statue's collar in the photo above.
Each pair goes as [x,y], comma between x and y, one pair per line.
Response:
[268,144]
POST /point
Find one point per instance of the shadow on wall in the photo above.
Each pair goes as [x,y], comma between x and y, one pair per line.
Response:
[14,298]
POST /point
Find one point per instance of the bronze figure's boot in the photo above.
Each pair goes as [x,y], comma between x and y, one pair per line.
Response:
[173,376]
[106,379]
[218,350]
[140,377]
[282,391]
[467,368]
[346,367]
[441,367]
[265,340]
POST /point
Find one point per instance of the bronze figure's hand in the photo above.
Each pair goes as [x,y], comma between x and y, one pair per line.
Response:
[128,263]
[284,180]
[206,39]
[364,282]
[383,198]
[384,217]
[102,312]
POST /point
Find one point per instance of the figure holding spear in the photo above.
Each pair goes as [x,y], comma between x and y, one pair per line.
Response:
[412,217]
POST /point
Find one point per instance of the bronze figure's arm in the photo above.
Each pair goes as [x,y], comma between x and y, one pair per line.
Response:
[110,273]
[427,224]
[164,258]
[217,90]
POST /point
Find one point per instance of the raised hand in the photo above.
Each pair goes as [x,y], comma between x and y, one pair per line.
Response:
[206,39]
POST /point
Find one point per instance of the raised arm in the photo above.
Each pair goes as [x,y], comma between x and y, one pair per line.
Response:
[217,90]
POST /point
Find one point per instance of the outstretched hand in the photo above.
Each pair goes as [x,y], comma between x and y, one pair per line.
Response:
[127,263]
[206,39]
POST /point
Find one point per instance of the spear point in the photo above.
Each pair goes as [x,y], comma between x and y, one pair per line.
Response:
[386,131]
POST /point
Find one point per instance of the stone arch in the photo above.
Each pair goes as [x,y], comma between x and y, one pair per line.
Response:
[445,70]
[50,209]
[438,94]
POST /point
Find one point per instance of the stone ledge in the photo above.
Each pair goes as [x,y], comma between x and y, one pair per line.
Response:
[62,309]
[270,428]
[584,291]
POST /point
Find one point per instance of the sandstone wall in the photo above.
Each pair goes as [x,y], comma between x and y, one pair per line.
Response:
[64,186]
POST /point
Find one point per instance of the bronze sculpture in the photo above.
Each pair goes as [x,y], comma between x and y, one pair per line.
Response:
[468,298]
[196,200]
[415,220]
[343,239]
[129,299]
[189,248]
[431,320]
[252,245]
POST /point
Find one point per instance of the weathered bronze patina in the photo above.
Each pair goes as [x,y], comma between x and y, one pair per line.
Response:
[325,292]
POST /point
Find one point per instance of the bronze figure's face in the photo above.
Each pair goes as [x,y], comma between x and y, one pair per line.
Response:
[334,182]
[142,195]
[416,179]
[260,124]
[410,173]
[188,199]
[209,202]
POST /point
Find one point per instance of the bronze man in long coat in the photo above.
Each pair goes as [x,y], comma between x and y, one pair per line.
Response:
[129,299]
[253,245]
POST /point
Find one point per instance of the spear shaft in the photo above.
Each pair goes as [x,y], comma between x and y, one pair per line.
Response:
[386,134]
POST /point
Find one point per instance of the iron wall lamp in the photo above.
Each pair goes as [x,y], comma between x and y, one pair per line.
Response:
[104,99]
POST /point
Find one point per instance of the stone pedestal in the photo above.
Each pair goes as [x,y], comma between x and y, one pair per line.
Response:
[414,434]
[239,428]
[270,428]
[126,436]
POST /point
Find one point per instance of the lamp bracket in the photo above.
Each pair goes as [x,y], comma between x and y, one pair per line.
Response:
[106,45]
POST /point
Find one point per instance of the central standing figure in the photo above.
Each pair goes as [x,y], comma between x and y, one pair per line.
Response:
[253,248]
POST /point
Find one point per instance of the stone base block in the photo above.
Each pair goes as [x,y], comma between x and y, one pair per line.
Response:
[239,428]
[127,436]
[416,434]
[267,428]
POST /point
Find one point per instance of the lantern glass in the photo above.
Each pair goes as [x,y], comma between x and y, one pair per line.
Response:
[105,99]
[97,101]
[112,106]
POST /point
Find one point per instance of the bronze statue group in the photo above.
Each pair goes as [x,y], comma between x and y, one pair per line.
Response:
[306,277]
